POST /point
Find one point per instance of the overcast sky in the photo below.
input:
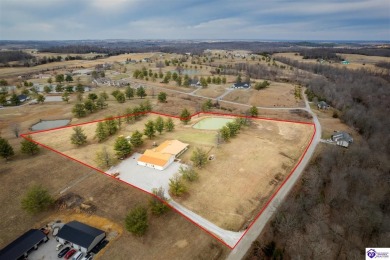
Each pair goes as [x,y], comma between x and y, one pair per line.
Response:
[195,19]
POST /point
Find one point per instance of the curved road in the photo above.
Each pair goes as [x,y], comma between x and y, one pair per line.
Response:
[254,231]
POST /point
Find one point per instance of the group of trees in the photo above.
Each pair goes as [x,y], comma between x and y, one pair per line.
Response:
[91,105]
[261,85]
[129,93]
[231,129]
[158,125]
[27,146]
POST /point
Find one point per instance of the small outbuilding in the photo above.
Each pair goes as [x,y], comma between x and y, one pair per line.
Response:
[20,247]
[342,139]
[81,237]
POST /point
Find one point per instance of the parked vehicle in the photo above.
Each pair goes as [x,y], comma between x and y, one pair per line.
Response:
[87,257]
[59,246]
[70,253]
[63,252]
[77,256]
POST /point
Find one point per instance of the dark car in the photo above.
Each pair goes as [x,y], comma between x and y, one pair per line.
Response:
[63,252]
[70,253]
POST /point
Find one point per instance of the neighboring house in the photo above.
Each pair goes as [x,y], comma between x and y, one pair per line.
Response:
[81,237]
[20,247]
[241,85]
[345,62]
[23,98]
[323,105]
[82,72]
[342,139]
[194,83]
[146,60]
[7,89]
[162,156]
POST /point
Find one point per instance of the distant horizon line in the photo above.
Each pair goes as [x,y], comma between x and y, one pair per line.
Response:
[209,40]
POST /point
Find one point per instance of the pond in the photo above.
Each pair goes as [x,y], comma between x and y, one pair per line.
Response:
[212,123]
[48,124]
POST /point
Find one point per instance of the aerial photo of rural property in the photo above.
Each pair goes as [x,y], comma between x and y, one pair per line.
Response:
[194,129]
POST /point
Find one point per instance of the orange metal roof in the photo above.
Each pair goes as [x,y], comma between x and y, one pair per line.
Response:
[155,158]
[171,147]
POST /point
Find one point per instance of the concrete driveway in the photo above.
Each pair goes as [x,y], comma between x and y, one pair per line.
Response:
[147,178]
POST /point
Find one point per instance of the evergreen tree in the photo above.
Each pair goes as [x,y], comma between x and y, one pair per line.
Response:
[101,132]
[65,97]
[90,105]
[101,102]
[6,150]
[136,222]
[141,92]
[28,146]
[129,92]
[136,139]
[169,125]
[36,200]
[162,97]
[122,147]
[78,137]
[149,129]
[185,116]
[159,124]
[111,125]
[225,133]
[79,110]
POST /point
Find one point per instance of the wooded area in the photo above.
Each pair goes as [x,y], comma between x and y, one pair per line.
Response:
[342,204]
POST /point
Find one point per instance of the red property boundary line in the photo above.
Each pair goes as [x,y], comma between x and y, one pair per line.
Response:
[26,136]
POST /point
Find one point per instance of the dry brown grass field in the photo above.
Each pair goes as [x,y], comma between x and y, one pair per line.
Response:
[268,150]
[247,170]
[169,237]
[356,61]
[276,95]
[213,91]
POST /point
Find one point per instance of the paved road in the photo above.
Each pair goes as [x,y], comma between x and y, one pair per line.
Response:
[243,246]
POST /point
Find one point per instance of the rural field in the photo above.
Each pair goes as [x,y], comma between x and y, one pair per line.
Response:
[277,94]
[246,171]
[357,61]
[256,161]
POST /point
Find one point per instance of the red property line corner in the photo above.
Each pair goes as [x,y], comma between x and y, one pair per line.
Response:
[25,136]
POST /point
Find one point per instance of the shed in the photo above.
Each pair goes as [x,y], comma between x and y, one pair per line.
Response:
[21,246]
[81,236]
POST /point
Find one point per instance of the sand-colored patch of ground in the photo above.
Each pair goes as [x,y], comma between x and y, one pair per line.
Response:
[276,95]
[247,170]
[212,91]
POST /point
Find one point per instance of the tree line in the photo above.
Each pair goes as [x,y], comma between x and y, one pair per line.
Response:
[342,204]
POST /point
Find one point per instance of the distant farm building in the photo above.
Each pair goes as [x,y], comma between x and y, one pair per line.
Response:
[323,105]
[162,156]
[241,85]
[345,62]
[342,139]
[20,247]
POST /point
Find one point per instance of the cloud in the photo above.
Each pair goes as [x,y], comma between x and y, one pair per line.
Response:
[195,19]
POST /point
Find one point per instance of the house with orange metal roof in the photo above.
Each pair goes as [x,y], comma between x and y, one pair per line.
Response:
[162,156]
